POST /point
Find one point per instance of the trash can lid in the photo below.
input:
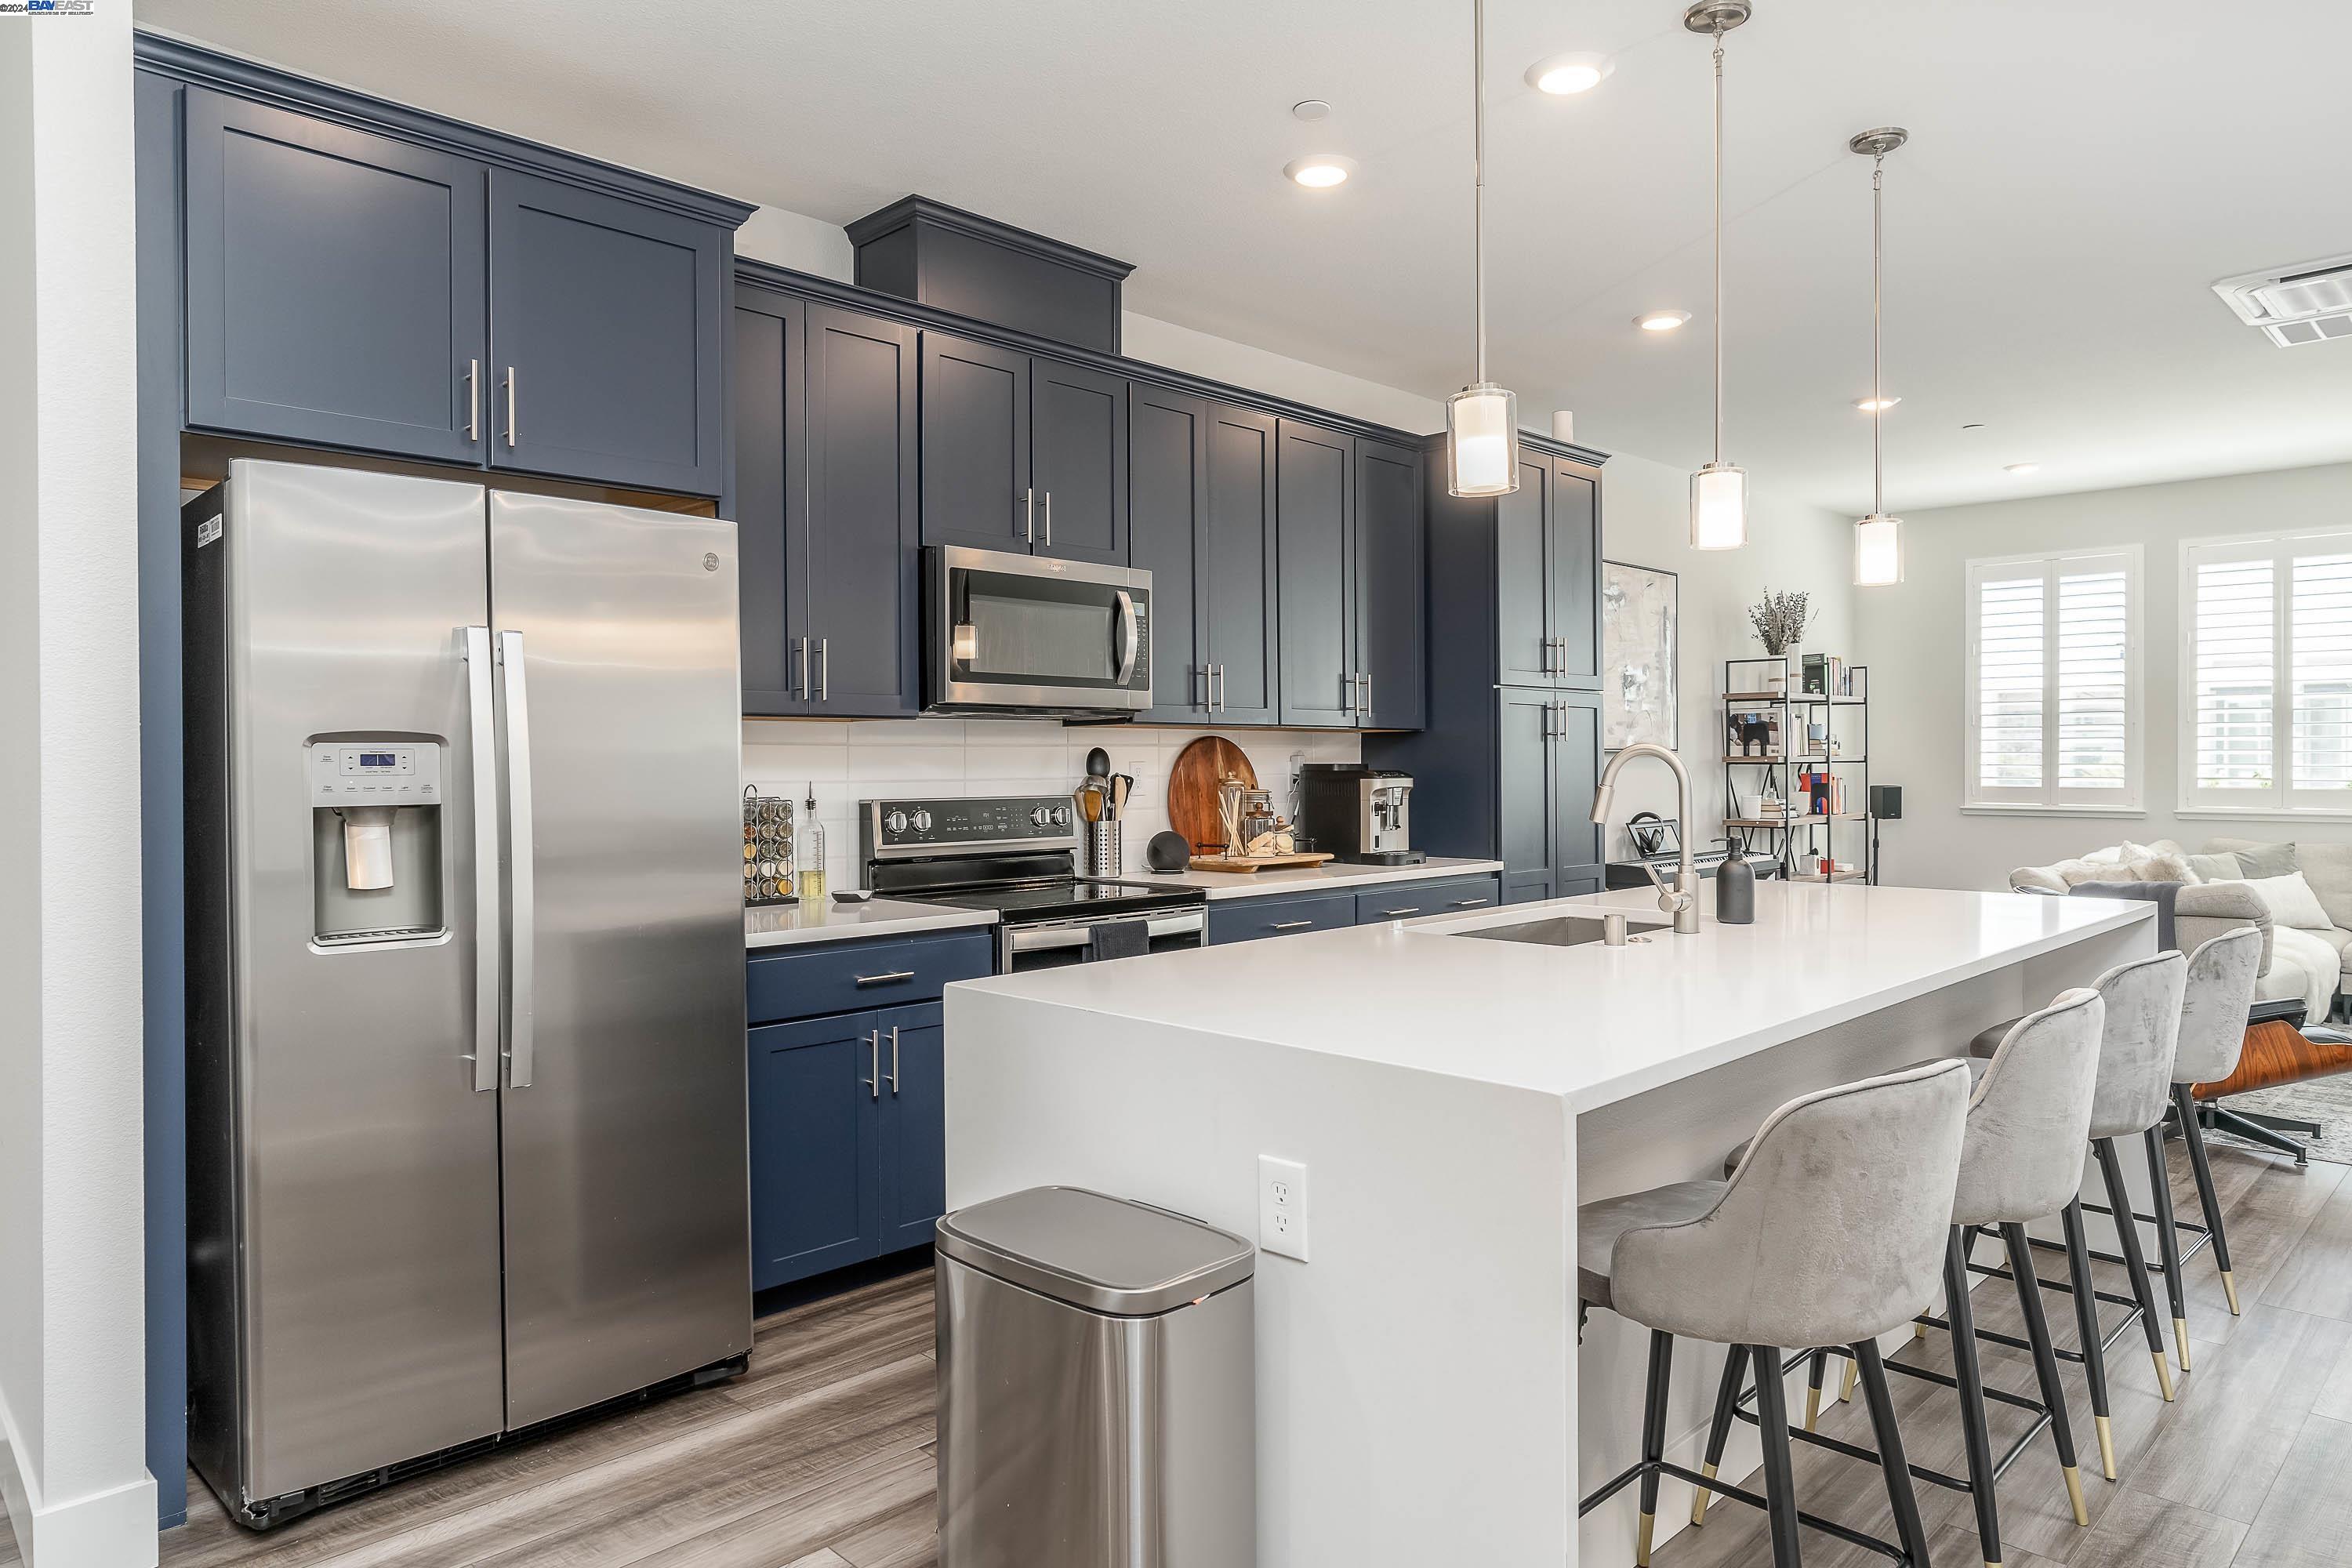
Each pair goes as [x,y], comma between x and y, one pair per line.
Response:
[1105,1254]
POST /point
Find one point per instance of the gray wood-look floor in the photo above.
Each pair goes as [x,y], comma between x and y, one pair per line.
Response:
[821,1457]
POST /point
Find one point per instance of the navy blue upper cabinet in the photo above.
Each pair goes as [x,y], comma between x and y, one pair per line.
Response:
[863,558]
[770,372]
[1521,591]
[1166,474]
[1389,632]
[1313,518]
[1077,433]
[1576,572]
[606,322]
[335,284]
[1242,612]
[816,1164]
[975,445]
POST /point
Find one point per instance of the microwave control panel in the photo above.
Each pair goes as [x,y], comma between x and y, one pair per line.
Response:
[374,773]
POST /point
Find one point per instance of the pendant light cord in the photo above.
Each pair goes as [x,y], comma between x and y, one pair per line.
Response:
[1718,249]
[1478,171]
[1877,383]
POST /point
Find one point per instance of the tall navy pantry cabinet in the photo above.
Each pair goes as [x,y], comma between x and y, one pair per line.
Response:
[1507,766]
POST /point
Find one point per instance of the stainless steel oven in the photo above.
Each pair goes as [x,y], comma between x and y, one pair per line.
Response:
[1051,945]
[1006,633]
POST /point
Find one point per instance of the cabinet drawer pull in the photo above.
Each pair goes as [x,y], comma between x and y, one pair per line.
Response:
[1288,926]
[895,977]
[1468,904]
[873,1078]
[1400,914]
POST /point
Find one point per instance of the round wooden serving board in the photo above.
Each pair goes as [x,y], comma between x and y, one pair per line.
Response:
[1192,789]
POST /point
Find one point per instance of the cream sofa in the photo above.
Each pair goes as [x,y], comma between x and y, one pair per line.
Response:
[2297,965]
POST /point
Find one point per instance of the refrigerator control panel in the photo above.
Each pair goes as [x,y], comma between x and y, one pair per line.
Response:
[375,772]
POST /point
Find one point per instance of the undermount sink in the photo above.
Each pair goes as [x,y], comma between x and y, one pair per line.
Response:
[1560,930]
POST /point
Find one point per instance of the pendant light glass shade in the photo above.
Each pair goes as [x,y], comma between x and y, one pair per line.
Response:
[1482,441]
[1718,507]
[1877,552]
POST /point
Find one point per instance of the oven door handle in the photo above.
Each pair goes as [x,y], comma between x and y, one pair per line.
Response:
[1127,639]
[1080,932]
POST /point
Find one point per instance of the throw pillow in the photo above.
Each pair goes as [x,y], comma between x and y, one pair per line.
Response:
[2076,872]
[2265,861]
[2292,902]
[2216,869]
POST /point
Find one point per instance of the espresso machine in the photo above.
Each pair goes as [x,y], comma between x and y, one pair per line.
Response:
[1361,815]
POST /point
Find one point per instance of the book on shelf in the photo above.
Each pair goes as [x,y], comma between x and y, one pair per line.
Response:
[1826,674]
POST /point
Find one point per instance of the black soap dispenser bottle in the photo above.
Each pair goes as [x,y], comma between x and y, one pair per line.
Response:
[1735,888]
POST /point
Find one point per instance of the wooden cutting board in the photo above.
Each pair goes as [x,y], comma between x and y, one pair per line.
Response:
[1192,789]
[1260,863]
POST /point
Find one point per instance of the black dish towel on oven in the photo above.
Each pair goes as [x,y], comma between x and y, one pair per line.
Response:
[1121,938]
[2161,894]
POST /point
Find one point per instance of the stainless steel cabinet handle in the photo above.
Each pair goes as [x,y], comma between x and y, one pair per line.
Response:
[1217,695]
[521,910]
[483,802]
[797,679]
[824,670]
[893,978]
[1289,925]
[1029,516]
[894,1059]
[1400,914]
[873,1078]
[1545,665]
[474,405]
[510,408]
[1367,678]
[1469,903]
[1049,519]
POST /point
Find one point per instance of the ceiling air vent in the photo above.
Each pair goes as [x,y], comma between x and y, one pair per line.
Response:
[2296,305]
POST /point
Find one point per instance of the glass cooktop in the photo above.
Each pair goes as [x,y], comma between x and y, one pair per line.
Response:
[1062,898]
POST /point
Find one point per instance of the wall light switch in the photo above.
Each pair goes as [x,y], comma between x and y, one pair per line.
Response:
[1282,1206]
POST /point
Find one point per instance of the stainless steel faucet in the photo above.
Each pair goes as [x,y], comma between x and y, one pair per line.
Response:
[1681,900]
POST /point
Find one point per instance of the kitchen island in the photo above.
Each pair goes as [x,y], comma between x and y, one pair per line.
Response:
[1421,1396]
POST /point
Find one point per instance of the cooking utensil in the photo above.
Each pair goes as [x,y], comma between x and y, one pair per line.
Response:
[1097,763]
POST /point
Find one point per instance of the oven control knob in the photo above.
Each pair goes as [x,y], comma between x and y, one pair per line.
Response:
[922,822]
[896,822]
[1041,817]
[1061,816]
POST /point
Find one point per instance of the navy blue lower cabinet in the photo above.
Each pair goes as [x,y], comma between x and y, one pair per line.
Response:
[816,1147]
[1247,920]
[914,1123]
[1432,896]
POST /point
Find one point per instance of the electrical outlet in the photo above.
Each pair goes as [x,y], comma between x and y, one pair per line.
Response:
[1282,1206]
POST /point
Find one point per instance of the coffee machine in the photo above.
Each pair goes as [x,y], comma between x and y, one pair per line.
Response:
[1361,815]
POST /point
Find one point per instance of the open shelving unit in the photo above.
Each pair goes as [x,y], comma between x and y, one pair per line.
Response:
[1832,732]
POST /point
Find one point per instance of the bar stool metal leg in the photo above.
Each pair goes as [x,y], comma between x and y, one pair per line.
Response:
[2087,1324]
[1813,1370]
[1975,1435]
[2045,1363]
[2111,1167]
[1780,1477]
[2192,1133]
[1727,1399]
[1653,1439]
[2168,1243]
[1892,1464]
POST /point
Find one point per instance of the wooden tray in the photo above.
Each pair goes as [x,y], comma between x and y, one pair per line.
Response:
[1260,863]
[1192,789]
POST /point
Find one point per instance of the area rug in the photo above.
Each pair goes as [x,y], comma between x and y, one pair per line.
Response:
[2327,1100]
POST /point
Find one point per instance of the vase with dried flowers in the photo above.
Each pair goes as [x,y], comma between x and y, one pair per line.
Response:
[1779,619]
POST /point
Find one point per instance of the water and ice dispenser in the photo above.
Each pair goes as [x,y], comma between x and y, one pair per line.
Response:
[375,839]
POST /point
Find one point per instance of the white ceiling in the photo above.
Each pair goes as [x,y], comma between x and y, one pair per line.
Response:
[2080,172]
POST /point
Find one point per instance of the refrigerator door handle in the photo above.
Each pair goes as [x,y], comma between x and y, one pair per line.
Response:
[521,918]
[483,802]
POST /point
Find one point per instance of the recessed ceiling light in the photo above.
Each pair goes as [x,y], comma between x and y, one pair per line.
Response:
[1310,109]
[2019,470]
[1320,171]
[1875,405]
[1660,321]
[1562,75]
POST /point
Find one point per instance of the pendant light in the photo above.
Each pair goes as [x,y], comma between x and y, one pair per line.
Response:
[1878,538]
[1719,492]
[1482,420]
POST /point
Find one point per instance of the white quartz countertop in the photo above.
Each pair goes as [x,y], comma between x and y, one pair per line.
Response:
[787,925]
[1592,1024]
[1331,876]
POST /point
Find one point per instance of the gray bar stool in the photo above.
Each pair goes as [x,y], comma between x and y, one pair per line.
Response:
[2022,1162]
[2220,989]
[1829,1233]
[2137,1045]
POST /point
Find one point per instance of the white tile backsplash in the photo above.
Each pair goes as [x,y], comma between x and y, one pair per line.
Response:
[869,758]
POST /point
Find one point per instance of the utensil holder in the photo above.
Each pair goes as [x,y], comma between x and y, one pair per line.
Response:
[1102,852]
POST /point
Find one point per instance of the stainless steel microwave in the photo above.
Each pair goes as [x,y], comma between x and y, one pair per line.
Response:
[1025,634]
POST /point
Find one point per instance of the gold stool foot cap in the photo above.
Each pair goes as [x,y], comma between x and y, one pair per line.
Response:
[2074,1495]
[2230,1289]
[2106,1447]
[1698,1503]
[1642,1544]
[1853,1376]
[1813,1406]
[2181,1340]
[2163,1374]
[1918,1330]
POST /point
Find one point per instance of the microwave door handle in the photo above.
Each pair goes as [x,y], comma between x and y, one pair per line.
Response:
[482,800]
[521,989]
[1128,640]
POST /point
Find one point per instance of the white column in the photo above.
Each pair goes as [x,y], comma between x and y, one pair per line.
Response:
[71,1315]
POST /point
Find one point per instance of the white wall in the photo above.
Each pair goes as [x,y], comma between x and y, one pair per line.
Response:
[1916,631]
[72,1409]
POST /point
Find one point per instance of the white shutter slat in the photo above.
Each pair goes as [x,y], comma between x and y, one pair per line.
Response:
[2009,684]
[2094,682]
[2232,682]
[2319,613]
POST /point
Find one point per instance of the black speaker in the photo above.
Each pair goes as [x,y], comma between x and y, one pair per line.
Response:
[1887,802]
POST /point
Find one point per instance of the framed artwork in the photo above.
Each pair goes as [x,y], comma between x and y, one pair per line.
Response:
[1639,664]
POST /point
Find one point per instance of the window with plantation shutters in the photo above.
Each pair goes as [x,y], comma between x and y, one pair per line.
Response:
[2054,674]
[2266,674]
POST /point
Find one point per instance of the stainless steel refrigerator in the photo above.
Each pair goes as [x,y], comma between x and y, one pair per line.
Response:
[466,1069]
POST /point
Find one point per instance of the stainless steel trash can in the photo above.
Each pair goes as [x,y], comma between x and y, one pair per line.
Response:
[1097,1386]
